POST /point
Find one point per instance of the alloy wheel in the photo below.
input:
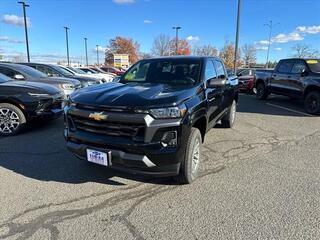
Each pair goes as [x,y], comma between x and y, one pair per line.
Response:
[9,120]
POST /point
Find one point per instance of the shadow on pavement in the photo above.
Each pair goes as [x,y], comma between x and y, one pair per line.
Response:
[40,153]
[249,104]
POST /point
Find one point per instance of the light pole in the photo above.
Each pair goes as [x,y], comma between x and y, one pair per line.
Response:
[97,54]
[270,25]
[177,38]
[67,42]
[86,49]
[237,37]
[24,5]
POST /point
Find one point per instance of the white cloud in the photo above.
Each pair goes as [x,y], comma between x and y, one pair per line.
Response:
[278,49]
[10,40]
[309,30]
[284,38]
[121,2]
[100,49]
[15,20]
[193,38]
[264,48]
[147,21]
[263,42]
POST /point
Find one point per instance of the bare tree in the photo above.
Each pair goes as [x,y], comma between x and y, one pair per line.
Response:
[161,45]
[304,51]
[145,55]
[205,50]
[249,55]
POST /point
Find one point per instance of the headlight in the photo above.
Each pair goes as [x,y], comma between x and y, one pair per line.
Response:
[171,112]
[39,94]
[67,86]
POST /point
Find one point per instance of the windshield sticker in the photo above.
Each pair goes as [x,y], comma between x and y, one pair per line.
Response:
[313,61]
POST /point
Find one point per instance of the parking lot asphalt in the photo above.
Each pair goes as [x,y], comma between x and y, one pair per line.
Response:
[259,180]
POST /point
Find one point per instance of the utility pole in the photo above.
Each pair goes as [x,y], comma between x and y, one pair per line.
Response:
[67,42]
[97,54]
[24,5]
[237,37]
[177,38]
[270,25]
[85,45]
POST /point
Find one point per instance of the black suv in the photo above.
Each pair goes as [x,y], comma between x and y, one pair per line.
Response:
[154,120]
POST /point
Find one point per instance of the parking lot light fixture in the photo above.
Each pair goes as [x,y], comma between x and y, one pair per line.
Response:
[97,54]
[67,43]
[177,38]
[86,49]
[24,5]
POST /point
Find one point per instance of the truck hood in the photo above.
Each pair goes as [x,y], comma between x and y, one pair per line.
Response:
[133,95]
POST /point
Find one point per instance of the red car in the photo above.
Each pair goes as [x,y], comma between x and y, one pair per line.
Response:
[112,70]
[247,78]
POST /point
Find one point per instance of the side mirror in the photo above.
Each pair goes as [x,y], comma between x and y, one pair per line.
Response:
[18,77]
[304,73]
[217,82]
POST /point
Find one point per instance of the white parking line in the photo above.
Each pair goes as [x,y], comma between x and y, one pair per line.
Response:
[289,109]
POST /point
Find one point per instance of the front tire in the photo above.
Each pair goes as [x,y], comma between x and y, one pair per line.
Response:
[190,166]
[262,92]
[228,120]
[312,103]
[12,119]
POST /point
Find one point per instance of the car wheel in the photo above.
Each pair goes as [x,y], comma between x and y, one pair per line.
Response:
[12,119]
[228,120]
[190,166]
[312,102]
[262,92]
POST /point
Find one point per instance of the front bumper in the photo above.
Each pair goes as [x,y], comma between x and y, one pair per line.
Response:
[147,155]
[246,85]
[47,107]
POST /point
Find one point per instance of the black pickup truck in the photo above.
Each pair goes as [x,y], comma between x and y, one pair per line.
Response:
[154,120]
[296,78]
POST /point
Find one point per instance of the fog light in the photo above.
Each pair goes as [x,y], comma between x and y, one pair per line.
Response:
[169,139]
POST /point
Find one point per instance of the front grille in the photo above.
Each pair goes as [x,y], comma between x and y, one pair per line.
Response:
[133,131]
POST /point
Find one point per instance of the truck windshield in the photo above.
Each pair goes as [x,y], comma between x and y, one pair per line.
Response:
[168,71]
[314,65]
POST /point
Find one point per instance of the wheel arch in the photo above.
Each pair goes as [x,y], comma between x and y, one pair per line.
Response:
[201,124]
[16,103]
[310,89]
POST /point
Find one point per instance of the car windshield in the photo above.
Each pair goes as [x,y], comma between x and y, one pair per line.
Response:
[314,65]
[77,70]
[169,71]
[31,71]
[63,71]
[4,78]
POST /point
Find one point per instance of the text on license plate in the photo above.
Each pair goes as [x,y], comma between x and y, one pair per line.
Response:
[97,157]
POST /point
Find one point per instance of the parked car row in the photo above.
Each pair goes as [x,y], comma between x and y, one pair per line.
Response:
[22,101]
[33,90]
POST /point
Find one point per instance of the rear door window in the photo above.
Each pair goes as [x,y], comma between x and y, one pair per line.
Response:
[285,67]
[298,67]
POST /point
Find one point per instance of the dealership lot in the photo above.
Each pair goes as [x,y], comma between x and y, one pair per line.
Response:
[258,180]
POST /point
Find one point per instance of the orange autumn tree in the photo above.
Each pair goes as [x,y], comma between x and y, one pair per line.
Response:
[184,47]
[121,45]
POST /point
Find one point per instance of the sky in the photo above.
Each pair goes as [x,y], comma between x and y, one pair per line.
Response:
[202,21]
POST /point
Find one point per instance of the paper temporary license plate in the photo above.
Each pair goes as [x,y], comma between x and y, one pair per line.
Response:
[97,157]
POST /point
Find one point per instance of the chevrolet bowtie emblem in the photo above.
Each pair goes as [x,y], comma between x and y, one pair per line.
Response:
[98,116]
